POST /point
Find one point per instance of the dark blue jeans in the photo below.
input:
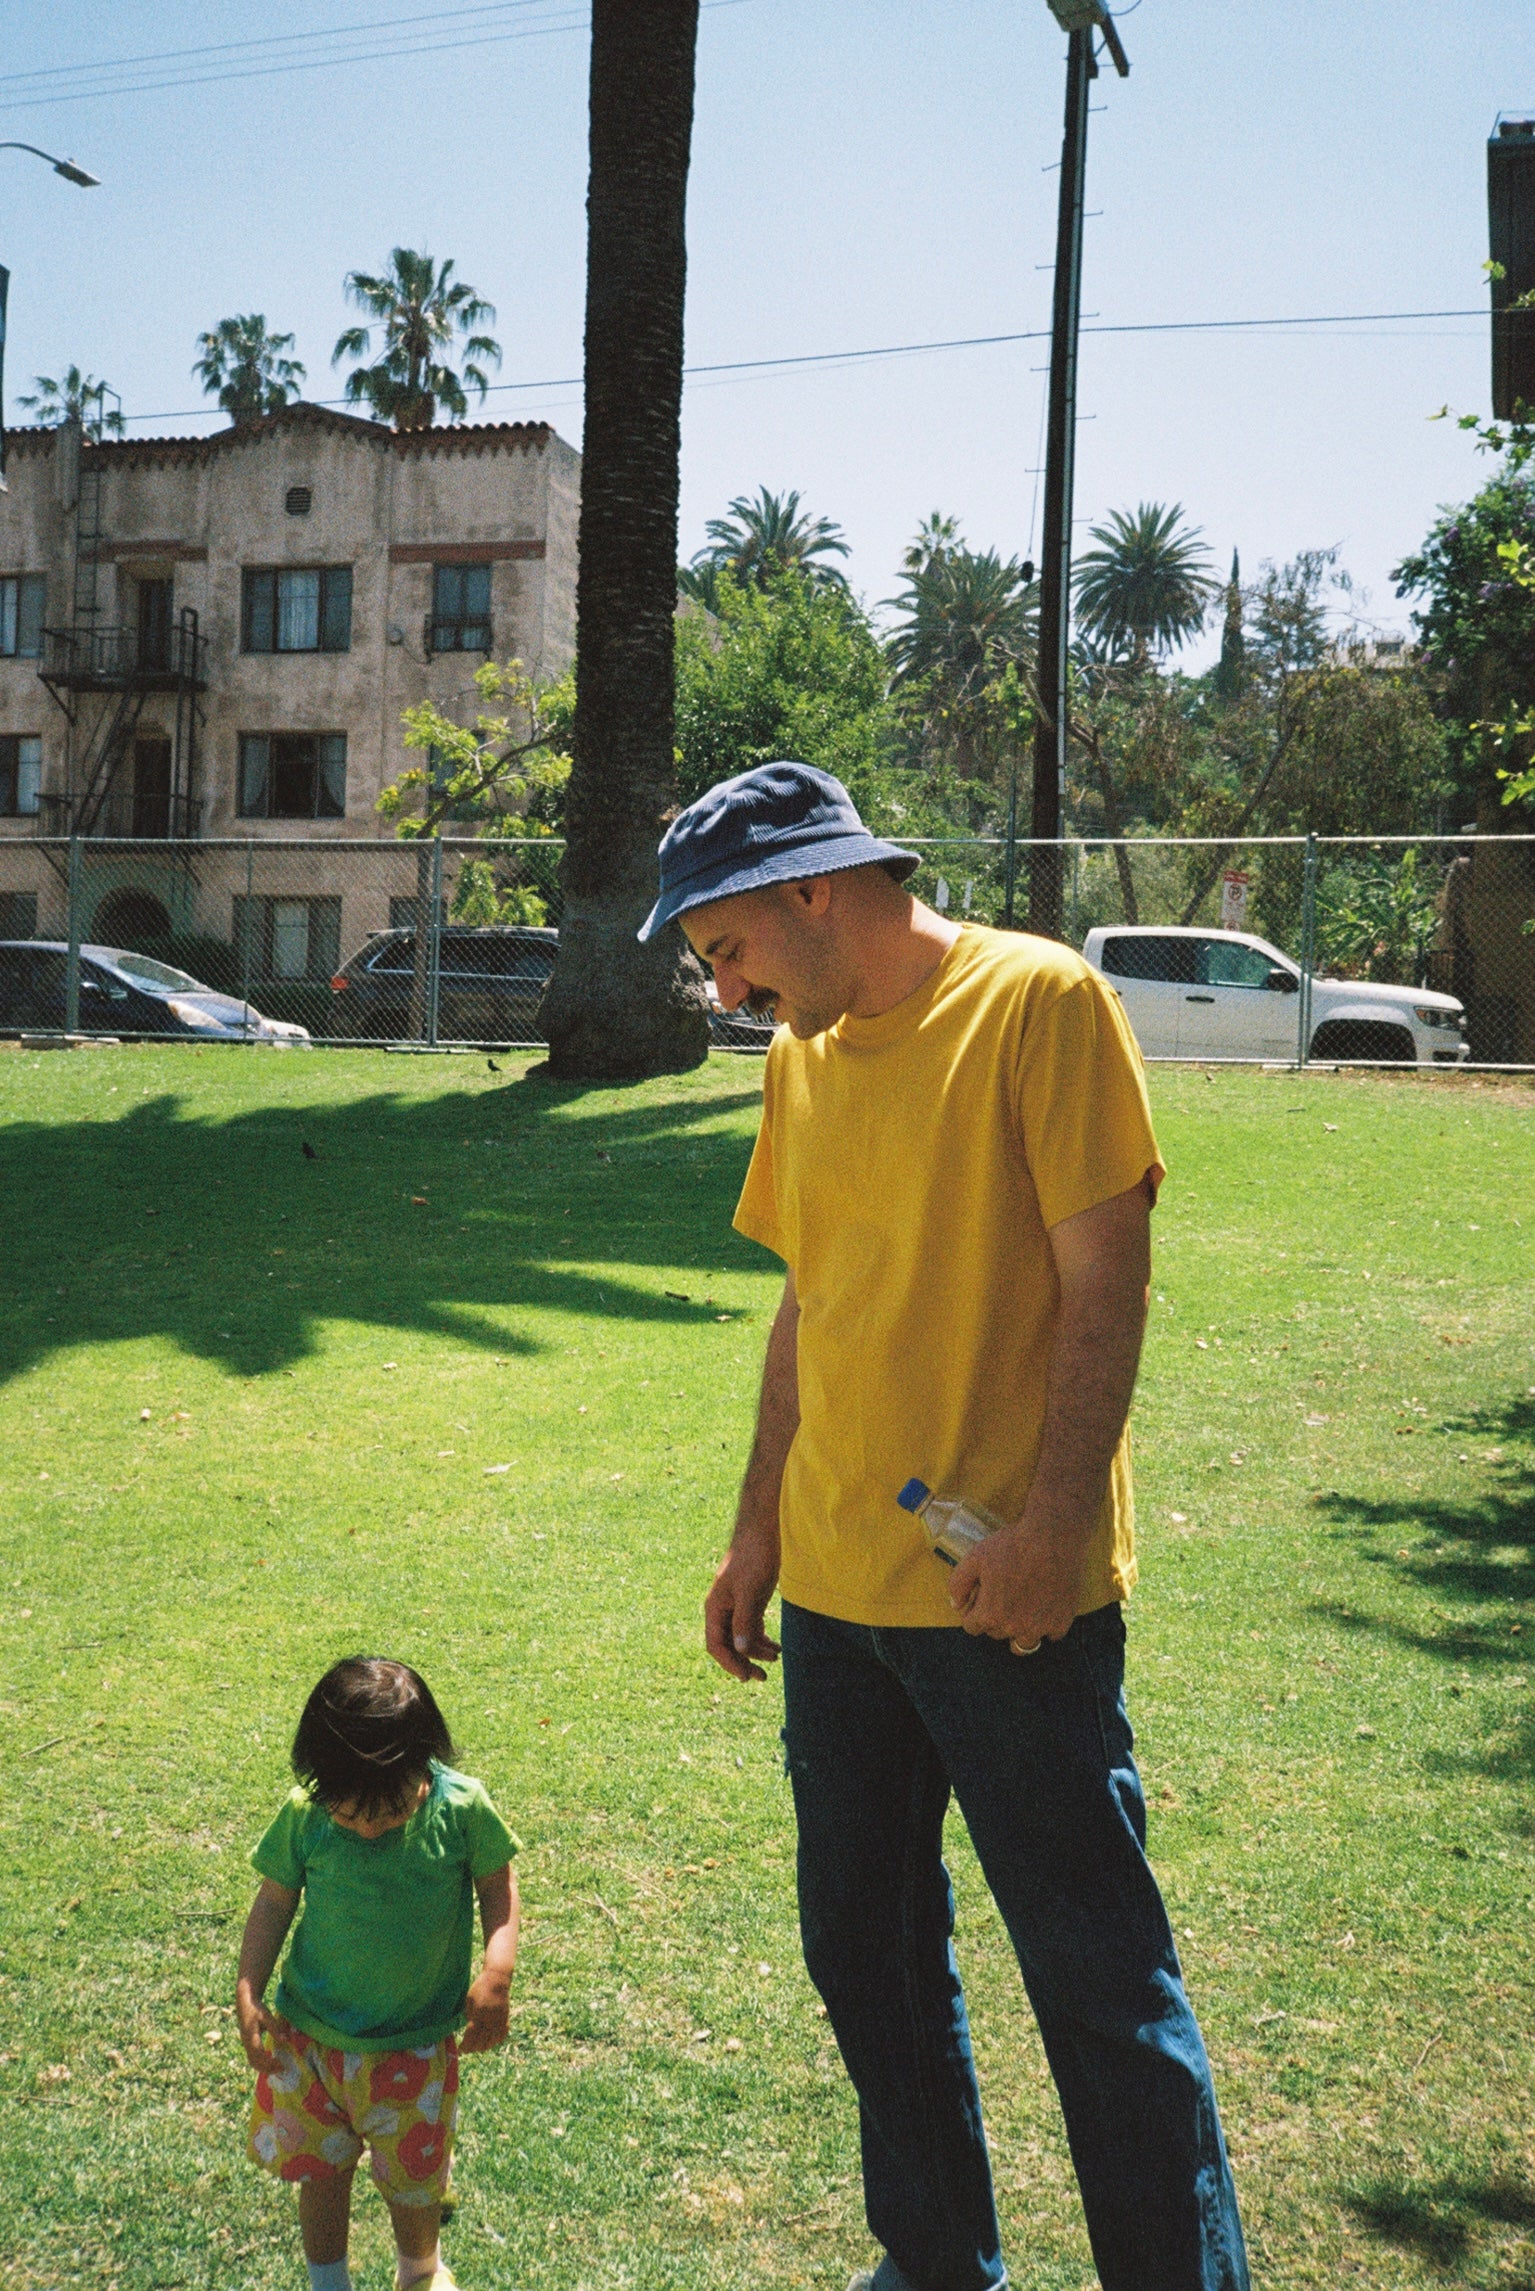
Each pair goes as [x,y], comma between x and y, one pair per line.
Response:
[880,1727]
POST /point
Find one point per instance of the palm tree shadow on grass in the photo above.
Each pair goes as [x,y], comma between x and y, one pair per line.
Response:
[1480,1556]
[1439,2218]
[440,1215]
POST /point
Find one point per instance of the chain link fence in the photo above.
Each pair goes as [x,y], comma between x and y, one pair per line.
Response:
[1296,949]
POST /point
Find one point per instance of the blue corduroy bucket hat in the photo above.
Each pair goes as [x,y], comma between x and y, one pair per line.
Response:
[777,824]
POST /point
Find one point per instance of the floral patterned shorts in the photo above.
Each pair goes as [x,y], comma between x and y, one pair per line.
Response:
[314,2113]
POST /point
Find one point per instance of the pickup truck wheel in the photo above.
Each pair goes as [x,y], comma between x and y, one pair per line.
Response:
[1363,1041]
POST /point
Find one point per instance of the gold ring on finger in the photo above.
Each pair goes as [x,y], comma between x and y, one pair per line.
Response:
[1017,1650]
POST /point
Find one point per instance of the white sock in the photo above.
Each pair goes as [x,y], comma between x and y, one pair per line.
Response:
[408,2271]
[329,2275]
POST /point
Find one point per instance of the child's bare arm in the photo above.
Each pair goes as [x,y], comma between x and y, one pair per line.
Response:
[266,1929]
[487,2000]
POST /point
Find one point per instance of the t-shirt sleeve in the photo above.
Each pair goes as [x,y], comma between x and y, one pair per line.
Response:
[1081,1101]
[757,1210]
[280,1854]
[491,1844]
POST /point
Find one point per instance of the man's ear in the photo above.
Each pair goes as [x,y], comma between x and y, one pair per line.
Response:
[811,895]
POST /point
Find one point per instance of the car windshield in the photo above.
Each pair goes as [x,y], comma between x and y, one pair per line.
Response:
[156,974]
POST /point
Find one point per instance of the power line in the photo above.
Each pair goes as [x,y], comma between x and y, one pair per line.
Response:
[814,358]
[252,52]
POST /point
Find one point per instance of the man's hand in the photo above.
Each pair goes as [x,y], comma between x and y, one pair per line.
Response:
[258,2029]
[737,1603]
[1025,1582]
[486,2005]
[1021,1584]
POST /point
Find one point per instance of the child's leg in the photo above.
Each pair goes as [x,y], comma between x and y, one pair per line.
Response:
[416,2228]
[324,2215]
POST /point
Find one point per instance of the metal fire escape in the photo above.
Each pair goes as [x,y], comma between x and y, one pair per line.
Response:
[101,676]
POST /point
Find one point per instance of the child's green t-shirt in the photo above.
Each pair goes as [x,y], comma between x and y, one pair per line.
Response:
[380,1958]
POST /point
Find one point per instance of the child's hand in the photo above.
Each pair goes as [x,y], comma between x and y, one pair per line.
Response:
[258,2029]
[488,2017]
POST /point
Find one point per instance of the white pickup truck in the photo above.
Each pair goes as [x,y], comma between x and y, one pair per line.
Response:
[1225,994]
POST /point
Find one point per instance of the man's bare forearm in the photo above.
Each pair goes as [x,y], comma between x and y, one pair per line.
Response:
[777,1423]
[1093,1365]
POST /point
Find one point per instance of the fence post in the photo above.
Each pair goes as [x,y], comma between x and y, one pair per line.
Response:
[1307,953]
[72,958]
[434,945]
[1010,870]
[247,935]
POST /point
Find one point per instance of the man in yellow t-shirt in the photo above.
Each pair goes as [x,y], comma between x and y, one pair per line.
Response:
[956,1164]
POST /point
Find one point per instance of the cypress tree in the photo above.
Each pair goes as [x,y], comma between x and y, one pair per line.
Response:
[1231,671]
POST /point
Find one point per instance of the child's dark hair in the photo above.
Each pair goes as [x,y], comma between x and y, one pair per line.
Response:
[368,1736]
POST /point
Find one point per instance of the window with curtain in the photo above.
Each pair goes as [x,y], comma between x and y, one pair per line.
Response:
[460,609]
[292,775]
[21,774]
[22,598]
[298,608]
[287,938]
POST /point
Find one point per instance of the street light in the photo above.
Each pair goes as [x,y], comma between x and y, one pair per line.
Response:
[65,167]
[71,174]
[1084,20]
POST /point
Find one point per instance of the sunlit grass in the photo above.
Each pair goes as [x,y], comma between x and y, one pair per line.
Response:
[1329,1658]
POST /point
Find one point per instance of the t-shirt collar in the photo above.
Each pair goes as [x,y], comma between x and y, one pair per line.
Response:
[903,1018]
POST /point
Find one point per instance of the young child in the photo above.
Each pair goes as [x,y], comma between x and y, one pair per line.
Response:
[386,1846]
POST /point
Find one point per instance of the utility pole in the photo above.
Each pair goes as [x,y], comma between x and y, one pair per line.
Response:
[1083,20]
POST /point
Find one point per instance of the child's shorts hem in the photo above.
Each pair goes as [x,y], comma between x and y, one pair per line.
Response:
[316,2111]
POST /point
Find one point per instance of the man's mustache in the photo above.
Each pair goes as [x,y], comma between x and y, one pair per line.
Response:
[761,1002]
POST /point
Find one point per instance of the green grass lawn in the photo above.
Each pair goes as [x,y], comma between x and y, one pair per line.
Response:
[252,1406]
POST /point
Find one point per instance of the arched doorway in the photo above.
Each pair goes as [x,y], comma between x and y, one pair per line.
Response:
[125,918]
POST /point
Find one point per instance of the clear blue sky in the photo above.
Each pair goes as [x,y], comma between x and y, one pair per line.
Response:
[865,172]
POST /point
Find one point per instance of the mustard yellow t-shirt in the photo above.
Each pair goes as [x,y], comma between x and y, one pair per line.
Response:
[908,1170]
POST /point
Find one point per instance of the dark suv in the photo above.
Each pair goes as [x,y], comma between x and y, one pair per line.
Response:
[492,980]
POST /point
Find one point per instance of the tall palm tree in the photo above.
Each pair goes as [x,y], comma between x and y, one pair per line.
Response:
[1148,583]
[247,368]
[75,397]
[614,1007]
[769,535]
[964,615]
[421,311]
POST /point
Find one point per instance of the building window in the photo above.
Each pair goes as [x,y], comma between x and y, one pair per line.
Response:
[298,501]
[460,619]
[21,615]
[303,608]
[288,938]
[293,775]
[18,914]
[21,773]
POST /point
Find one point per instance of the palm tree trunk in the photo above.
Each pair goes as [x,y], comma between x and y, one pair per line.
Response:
[615,1009]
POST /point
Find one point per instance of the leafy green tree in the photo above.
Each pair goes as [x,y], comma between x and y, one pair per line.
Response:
[1476,621]
[480,898]
[424,315]
[1378,915]
[1147,586]
[74,397]
[247,368]
[771,534]
[496,773]
[787,668]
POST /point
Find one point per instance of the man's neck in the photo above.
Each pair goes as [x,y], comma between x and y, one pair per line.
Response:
[898,951]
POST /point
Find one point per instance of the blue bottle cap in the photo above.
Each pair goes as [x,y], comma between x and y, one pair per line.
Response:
[914,1495]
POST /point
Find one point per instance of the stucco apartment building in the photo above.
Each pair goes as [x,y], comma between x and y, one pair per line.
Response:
[207,644]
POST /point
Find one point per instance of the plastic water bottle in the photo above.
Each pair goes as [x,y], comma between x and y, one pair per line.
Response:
[954,1527]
